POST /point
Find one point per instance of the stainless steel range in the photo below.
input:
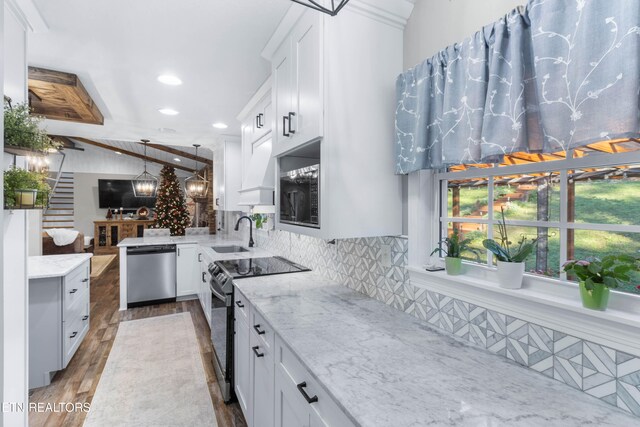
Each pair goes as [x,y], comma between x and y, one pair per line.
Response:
[223,273]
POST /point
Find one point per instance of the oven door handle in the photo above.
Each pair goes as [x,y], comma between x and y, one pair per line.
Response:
[216,293]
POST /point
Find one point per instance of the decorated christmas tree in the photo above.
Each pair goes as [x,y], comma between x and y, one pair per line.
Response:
[171,208]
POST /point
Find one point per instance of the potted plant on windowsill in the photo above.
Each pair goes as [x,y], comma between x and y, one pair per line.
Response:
[597,276]
[510,257]
[453,251]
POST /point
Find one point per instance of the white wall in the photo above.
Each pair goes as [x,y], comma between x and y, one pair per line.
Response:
[2,346]
[436,24]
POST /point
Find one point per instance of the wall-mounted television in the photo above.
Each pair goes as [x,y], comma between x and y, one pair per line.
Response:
[118,193]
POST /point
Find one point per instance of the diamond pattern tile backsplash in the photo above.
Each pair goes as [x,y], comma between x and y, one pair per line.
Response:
[608,374]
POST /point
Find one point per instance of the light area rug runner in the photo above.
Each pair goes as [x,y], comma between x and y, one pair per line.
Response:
[99,264]
[153,377]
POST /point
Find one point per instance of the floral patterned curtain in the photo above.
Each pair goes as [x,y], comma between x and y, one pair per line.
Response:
[551,76]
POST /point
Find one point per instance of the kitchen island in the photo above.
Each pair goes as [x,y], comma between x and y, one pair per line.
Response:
[383,367]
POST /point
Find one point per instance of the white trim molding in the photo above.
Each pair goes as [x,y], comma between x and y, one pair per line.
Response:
[28,14]
[550,303]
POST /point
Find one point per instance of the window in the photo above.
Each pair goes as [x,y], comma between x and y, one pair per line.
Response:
[580,205]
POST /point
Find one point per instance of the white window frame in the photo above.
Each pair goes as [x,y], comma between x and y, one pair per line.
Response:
[561,166]
[550,302]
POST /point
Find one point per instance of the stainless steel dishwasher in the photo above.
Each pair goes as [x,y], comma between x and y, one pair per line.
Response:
[151,274]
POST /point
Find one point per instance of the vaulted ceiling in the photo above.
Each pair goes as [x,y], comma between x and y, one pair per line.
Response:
[118,48]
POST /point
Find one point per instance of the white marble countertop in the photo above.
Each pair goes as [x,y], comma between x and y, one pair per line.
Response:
[387,368]
[40,267]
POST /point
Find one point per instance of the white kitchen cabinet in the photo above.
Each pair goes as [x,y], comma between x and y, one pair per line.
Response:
[204,293]
[187,270]
[258,170]
[272,385]
[297,96]
[227,174]
[242,357]
[58,322]
[342,98]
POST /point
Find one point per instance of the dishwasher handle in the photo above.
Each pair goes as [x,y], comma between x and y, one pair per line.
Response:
[156,249]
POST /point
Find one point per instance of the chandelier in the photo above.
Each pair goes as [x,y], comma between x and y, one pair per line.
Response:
[196,186]
[333,9]
[145,184]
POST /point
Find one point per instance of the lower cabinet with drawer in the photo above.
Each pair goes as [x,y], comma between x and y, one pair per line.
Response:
[273,386]
[58,322]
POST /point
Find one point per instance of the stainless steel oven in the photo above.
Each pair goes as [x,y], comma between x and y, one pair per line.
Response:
[221,287]
[300,196]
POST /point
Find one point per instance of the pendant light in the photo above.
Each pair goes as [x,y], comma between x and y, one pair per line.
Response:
[333,10]
[145,184]
[196,186]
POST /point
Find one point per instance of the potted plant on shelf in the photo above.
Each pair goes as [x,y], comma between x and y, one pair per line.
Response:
[453,251]
[24,189]
[510,257]
[21,129]
[596,276]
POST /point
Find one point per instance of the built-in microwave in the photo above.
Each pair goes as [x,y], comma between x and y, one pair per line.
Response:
[300,196]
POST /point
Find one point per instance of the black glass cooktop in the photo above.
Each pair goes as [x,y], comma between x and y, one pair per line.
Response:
[252,267]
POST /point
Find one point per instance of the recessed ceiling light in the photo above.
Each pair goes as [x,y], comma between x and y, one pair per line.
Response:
[220,125]
[118,153]
[175,159]
[167,130]
[170,80]
[169,111]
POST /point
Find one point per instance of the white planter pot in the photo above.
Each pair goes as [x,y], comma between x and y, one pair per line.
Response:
[510,274]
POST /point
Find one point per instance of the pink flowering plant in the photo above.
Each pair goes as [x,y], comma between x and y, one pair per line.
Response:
[611,271]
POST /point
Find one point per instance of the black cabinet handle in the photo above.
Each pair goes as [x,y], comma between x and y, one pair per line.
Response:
[217,201]
[309,400]
[85,317]
[260,122]
[239,304]
[257,328]
[199,257]
[85,280]
[73,335]
[73,291]
[256,352]
[203,279]
[284,126]
[292,114]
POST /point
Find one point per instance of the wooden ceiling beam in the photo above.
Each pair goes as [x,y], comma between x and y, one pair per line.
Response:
[181,153]
[67,144]
[62,96]
[129,153]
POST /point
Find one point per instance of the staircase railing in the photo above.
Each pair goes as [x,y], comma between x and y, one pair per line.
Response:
[56,180]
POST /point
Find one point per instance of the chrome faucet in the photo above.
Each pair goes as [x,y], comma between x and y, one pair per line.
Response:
[250,228]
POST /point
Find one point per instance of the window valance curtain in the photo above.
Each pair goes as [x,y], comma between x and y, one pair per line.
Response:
[548,77]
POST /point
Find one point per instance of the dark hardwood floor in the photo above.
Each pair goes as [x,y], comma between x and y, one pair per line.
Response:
[78,382]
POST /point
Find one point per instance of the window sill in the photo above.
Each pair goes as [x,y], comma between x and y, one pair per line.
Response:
[548,302]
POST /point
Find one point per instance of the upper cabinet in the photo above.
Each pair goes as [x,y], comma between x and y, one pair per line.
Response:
[333,98]
[297,96]
[258,179]
[227,174]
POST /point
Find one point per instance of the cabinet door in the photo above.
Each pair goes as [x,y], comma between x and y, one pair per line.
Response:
[203,285]
[218,177]
[290,409]
[315,420]
[282,92]
[187,270]
[242,365]
[307,86]
[262,385]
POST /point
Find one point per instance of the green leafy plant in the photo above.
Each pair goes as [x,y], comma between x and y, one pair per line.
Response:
[21,129]
[260,220]
[21,179]
[611,271]
[454,246]
[506,251]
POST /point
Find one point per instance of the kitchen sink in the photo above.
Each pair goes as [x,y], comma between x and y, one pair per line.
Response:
[229,249]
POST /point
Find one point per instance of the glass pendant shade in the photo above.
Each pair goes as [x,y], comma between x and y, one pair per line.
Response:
[332,8]
[145,184]
[196,186]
